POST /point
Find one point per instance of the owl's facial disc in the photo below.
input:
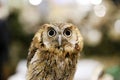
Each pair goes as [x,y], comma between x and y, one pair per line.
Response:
[59,38]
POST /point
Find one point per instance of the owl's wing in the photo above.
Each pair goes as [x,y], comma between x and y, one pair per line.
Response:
[31,54]
[37,43]
[33,48]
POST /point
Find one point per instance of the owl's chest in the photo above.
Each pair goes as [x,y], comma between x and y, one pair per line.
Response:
[54,67]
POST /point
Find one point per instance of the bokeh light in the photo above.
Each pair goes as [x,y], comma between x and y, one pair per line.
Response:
[96,2]
[100,10]
[117,26]
[89,2]
[83,2]
[63,2]
[94,37]
[35,2]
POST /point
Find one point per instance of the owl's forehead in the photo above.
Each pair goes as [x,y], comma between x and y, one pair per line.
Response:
[62,26]
[59,25]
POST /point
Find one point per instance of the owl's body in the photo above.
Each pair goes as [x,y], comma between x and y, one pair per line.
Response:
[54,52]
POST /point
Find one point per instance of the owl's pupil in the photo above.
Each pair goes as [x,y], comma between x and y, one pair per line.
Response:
[51,33]
[67,33]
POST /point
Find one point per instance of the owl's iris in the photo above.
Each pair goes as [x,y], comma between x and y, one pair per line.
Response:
[51,32]
[67,32]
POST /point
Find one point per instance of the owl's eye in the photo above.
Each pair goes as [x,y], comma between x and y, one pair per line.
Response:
[67,32]
[51,32]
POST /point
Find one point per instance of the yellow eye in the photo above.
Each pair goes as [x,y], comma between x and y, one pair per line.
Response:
[51,32]
[67,32]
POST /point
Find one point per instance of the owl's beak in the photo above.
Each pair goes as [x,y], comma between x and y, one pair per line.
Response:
[59,40]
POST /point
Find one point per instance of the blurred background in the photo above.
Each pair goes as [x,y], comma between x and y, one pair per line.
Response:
[98,21]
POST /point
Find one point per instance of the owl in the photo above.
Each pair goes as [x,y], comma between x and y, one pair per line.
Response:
[54,52]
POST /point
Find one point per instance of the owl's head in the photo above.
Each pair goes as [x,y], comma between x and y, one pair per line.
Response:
[60,37]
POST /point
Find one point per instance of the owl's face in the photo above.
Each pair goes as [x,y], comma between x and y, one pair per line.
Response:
[60,37]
